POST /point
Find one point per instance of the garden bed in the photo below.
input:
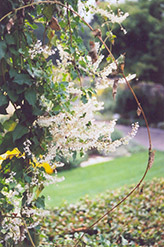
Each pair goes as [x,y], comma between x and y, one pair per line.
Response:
[139,221]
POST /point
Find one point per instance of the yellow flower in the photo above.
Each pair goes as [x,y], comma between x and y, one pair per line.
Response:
[15,152]
[10,154]
[47,167]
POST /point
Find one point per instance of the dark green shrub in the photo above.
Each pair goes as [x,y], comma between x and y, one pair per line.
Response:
[117,134]
[137,222]
[72,162]
[149,94]
[107,98]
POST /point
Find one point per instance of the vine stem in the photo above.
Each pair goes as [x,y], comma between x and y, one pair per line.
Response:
[43,2]
[135,97]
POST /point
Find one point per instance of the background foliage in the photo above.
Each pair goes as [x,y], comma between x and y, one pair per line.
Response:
[150,95]
[143,41]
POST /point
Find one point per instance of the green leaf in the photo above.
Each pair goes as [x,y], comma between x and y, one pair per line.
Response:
[90,94]
[32,25]
[1,130]
[19,131]
[48,11]
[40,202]
[84,99]
[3,49]
[12,95]
[27,178]
[2,195]
[1,186]
[63,24]
[12,72]
[82,63]
[57,108]
[3,99]
[6,142]
[13,51]
[37,111]
[29,38]
[30,96]
[22,79]
[9,124]
[9,39]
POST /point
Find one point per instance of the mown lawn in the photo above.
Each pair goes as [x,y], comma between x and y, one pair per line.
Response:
[97,178]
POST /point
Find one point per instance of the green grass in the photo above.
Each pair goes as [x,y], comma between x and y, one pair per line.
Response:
[97,178]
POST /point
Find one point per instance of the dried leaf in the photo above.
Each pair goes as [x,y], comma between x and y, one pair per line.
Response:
[9,24]
[122,67]
[54,24]
[121,63]
[115,85]
[138,111]
[92,52]
[97,33]
[151,158]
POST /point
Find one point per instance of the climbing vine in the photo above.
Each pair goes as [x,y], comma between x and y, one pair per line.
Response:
[52,108]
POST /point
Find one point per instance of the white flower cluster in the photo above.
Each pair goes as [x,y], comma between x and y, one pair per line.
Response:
[107,147]
[84,9]
[38,48]
[62,64]
[71,89]
[102,76]
[78,130]
[26,148]
[128,78]
[13,226]
[119,18]
[104,82]
[65,57]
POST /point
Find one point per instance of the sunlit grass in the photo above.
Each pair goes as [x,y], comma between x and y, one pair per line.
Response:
[97,178]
